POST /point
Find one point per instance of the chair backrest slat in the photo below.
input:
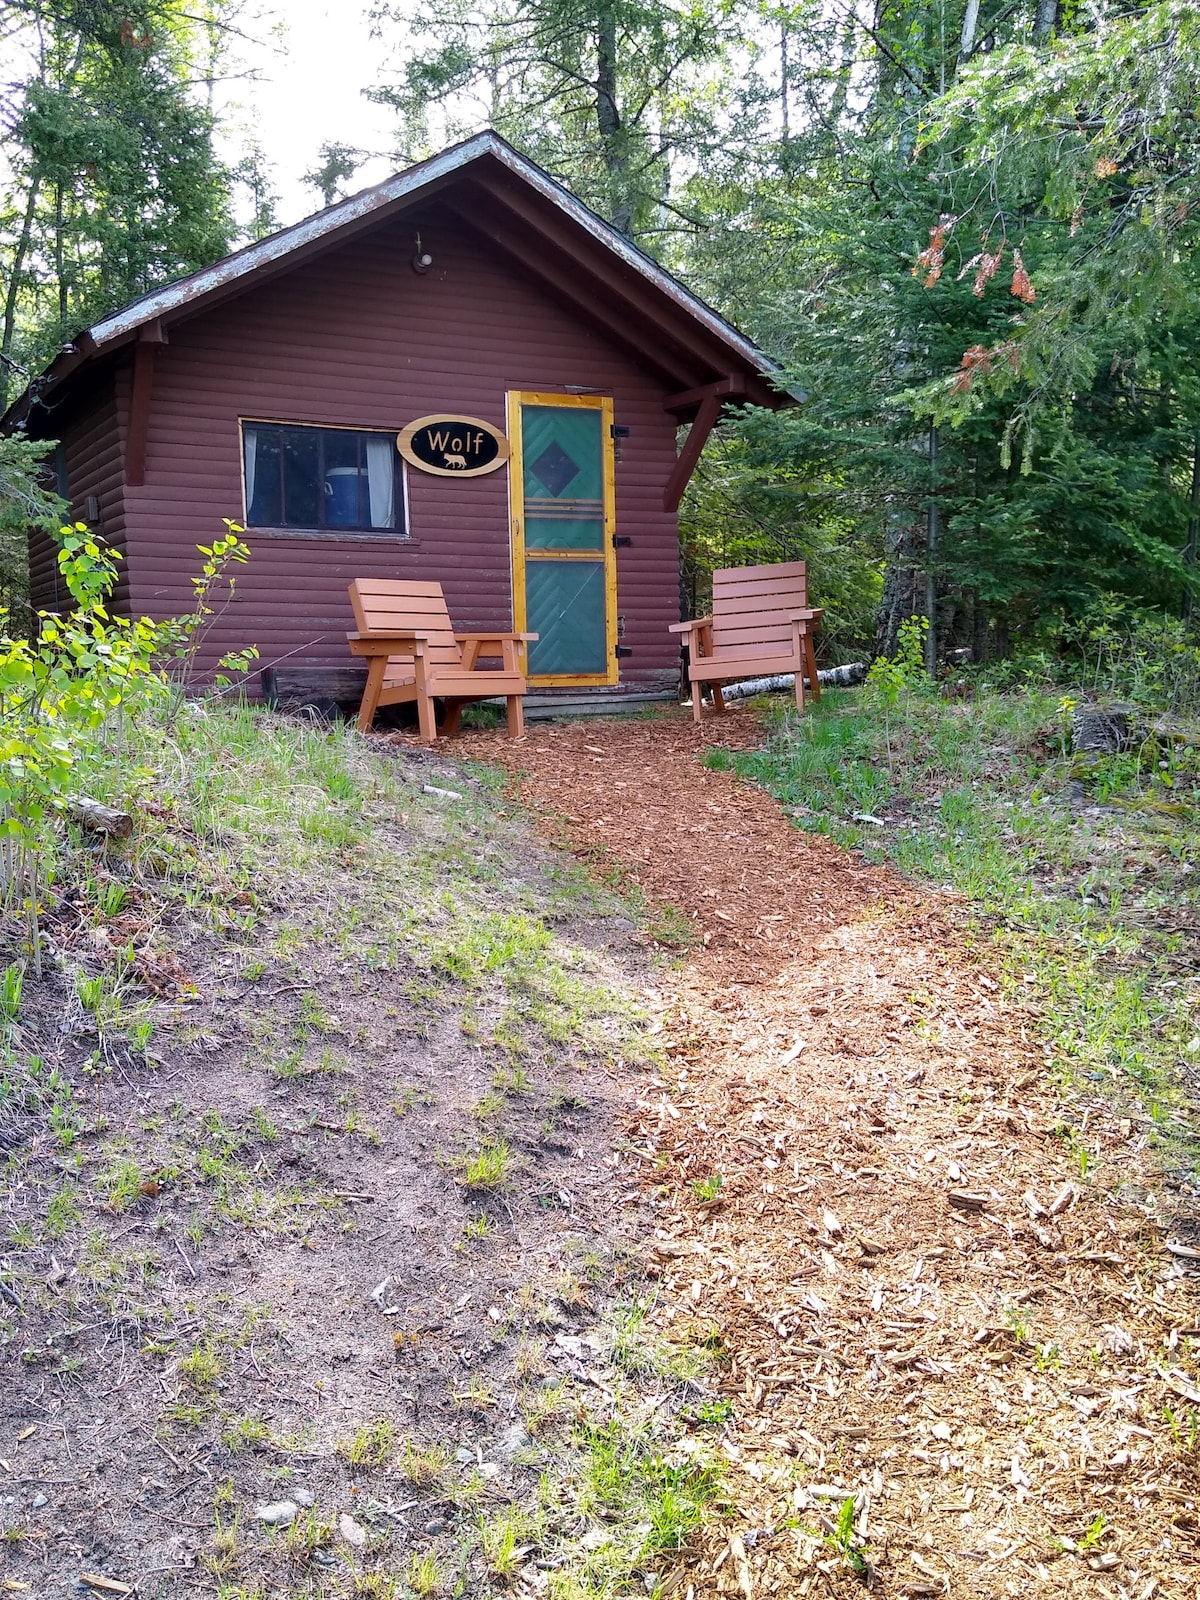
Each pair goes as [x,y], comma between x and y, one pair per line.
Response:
[382,605]
[753,606]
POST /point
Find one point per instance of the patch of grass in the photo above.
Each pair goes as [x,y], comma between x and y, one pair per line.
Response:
[640,1354]
[371,1445]
[451,902]
[667,925]
[711,1413]
[62,1213]
[376,1586]
[203,1367]
[491,1105]
[544,1405]
[424,1575]
[305,1536]
[224,1552]
[263,1126]
[188,1414]
[245,1433]
[476,1397]
[507,1541]
[490,1167]
[423,1465]
[627,1478]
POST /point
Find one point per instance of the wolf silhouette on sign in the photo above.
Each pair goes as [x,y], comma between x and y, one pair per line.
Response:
[454,461]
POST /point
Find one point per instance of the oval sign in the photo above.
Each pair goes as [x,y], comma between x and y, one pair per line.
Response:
[453,447]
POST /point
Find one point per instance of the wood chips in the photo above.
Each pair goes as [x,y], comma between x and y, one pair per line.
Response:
[929,1285]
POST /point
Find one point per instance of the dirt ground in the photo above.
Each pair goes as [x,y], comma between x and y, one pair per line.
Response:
[250,1271]
[933,1283]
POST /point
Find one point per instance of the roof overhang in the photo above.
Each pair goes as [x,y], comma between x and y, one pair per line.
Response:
[618,280]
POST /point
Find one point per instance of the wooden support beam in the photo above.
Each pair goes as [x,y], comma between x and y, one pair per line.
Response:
[706,418]
[729,388]
[140,395]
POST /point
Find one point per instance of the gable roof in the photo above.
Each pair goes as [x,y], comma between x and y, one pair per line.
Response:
[521,211]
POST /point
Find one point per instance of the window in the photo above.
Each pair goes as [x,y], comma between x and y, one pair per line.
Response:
[317,478]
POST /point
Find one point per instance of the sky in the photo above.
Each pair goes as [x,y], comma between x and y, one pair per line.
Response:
[309,93]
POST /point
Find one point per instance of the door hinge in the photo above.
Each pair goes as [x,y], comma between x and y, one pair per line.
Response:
[620,650]
[620,539]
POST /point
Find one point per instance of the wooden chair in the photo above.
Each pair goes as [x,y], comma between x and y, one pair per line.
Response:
[761,624]
[404,631]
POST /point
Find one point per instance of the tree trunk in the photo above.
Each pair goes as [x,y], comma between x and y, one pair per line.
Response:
[18,266]
[1193,529]
[59,269]
[967,40]
[1045,21]
[902,596]
[608,120]
[931,544]
[979,632]
[783,81]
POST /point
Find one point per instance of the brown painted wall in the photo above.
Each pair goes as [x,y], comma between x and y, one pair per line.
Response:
[358,338]
[93,446]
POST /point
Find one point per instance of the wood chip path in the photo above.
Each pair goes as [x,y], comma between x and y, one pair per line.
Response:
[928,1296]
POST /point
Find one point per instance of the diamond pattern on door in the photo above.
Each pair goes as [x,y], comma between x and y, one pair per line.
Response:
[554,468]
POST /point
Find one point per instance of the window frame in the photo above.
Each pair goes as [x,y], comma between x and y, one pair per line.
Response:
[399,534]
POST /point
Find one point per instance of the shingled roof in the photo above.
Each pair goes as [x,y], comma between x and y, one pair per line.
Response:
[521,212]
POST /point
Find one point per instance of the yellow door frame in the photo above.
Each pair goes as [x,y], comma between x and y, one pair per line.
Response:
[516,494]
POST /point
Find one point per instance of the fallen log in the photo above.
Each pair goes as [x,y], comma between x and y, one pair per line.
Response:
[831,678]
[99,818]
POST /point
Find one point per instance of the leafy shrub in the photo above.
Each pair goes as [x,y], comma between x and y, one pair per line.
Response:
[57,691]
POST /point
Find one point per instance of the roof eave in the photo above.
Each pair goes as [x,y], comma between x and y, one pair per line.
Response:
[178,297]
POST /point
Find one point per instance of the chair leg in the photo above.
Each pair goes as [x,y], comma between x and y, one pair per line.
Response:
[697,697]
[516,717]
[451,718]
[810,655]
[426,718]
[718,699]
[800,686]
[371,694]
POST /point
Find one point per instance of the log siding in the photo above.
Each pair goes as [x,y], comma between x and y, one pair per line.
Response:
[357,339]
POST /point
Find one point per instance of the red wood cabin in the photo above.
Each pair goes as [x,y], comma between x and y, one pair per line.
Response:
[273,388]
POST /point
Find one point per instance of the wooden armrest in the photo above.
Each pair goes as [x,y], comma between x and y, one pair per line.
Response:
[688,627]
[386,644]
[808,616]
[492,638]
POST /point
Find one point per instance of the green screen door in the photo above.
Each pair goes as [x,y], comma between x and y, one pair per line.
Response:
[562,535]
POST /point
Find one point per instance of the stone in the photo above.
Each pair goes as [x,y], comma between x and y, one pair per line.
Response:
[434,1526]
[513,1439]
[352,1532]
[39,1500]
[277,1513]
[304,1497]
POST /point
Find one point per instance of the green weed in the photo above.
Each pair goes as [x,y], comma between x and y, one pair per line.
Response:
[245,1433]
[489,1168]
[203,1367]
[369,1446]
[424,1575]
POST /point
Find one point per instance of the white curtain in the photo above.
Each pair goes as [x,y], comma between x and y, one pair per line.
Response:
[381,481]
[250,457]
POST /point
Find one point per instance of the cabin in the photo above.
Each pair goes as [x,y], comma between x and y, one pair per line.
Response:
[461,374]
